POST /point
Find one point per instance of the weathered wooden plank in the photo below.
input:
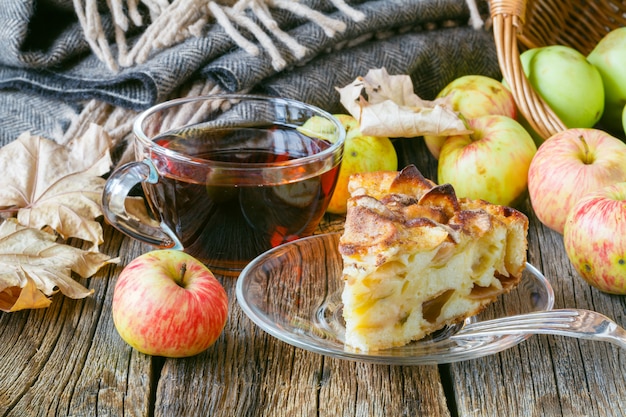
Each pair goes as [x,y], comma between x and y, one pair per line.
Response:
[381,390]
[248,372]
[550,375]
[67,360]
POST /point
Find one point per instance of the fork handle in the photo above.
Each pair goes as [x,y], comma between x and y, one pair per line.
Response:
[578,323]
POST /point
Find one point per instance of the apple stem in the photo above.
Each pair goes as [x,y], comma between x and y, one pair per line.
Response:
[183,271]
[587,157]
[465,121]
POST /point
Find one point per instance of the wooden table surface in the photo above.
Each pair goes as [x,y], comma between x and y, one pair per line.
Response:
[68,360]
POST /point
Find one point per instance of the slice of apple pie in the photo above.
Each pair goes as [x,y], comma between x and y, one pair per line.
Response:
[417,258]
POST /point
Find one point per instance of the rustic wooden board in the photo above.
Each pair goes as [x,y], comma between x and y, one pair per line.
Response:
[550,375]
[248,372]
[68,360]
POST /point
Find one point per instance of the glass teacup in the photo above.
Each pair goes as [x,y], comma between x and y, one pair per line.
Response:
[227,177]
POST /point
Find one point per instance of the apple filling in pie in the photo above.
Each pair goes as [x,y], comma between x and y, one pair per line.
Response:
[417,258]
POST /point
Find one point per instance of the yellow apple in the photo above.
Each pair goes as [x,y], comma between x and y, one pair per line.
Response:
[489,164]
[361,153]
[473,96]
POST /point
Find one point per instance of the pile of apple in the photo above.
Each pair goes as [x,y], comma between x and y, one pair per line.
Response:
[576,179]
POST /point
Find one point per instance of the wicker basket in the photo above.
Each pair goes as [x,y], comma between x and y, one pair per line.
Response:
[520,24]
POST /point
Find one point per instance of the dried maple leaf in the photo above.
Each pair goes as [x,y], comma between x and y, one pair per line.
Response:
[55,186]
[386,105]
[33,266]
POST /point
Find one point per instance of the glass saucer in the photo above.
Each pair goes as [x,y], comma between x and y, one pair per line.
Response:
[293,292]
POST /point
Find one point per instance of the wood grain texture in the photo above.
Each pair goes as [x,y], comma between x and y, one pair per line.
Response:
[68,360]
[276,379]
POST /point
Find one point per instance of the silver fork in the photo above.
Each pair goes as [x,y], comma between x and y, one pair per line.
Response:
[583,324]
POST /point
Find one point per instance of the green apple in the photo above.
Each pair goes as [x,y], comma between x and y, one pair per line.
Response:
[473,96]
[609,57]
[489,164]
[567,82]
[624,120]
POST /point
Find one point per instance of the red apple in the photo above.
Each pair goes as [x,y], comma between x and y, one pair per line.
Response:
[473,96]
[167,303]
[491,163]
[595,238]
[569,165]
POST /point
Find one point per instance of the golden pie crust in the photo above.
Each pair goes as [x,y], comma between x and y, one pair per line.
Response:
[417,258]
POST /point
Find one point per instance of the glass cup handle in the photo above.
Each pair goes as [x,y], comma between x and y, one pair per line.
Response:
[116,190]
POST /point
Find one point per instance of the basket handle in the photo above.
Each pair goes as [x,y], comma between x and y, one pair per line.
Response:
[508,22]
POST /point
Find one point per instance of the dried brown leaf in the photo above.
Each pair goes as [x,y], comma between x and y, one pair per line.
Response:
[386,105]
[56,186]
[33,266]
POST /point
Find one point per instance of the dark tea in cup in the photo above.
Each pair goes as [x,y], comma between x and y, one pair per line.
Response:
[228,177]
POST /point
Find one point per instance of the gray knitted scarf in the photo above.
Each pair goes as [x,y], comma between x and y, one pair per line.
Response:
[61,60]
